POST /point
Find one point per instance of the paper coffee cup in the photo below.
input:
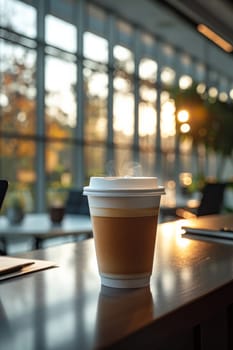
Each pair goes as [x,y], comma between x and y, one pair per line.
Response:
[124,213]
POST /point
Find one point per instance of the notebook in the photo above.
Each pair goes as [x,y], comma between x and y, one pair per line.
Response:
[10,264]
[13,266]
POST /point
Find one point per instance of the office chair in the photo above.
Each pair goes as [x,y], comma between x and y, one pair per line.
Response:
[77,203]
[211,201]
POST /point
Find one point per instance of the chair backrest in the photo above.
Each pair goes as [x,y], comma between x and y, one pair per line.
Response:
[3,190]
[77,203]
[212,199]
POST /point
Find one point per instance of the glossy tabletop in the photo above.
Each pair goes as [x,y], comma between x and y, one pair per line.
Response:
[66,307]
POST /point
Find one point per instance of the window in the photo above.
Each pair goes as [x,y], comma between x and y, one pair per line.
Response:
[60,34]
[18,16]
[123,100]
[147,104]
[85,93]
[18,91]
[60,98]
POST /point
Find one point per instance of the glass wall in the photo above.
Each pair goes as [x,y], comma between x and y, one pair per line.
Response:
[84,93]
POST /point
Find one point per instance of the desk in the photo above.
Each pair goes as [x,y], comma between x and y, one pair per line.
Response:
[40,228]
[187,306]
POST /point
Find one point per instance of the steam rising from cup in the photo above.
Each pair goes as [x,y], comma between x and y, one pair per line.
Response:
[126,169]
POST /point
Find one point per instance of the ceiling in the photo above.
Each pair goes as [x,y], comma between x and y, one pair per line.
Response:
[217,14]
[175,22]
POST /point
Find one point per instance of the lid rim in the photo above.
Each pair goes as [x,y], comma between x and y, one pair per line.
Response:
[88,188]
[124,192]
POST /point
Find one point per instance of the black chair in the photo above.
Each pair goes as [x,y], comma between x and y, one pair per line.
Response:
[211,201]
[77,203]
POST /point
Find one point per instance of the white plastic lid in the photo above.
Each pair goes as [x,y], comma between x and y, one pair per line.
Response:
[122,185]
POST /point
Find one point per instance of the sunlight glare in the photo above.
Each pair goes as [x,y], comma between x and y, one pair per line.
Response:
[223,96]
[183,116]
[4,100]
[121,53]
[168,125]
[57,31]
[165,96]
[213,92]
[123,111]
[97,85]
[59,78]
[168,75]
[95,47]
[185,82]
[185,128]
[201,88]
[147,120]
[231,94]
[148,69]
[121,84]
[18,16]
[148,94]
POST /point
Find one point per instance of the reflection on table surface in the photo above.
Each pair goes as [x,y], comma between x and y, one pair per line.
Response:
[66,307]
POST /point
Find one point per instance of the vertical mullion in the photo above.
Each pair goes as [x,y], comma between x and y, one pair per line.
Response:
[78,147]
[40,109]
[111,42]
[136,95]
[158,150]
[177,161]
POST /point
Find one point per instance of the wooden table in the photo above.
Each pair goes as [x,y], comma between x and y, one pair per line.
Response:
[40,228]
[189,304]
